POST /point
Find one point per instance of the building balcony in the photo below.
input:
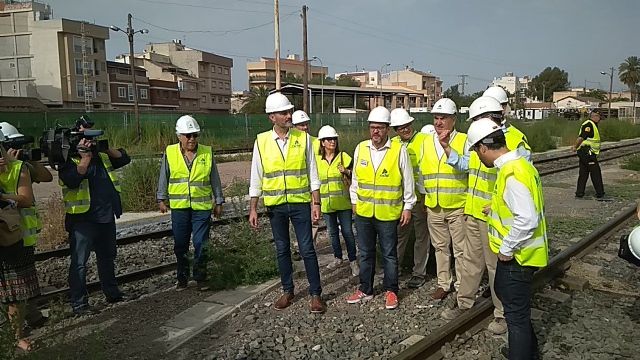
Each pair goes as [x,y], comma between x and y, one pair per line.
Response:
[127,78]
[262,79]
[189,94]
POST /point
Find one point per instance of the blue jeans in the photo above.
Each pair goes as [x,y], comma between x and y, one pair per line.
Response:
[84,237]
[513,288]
[300,216]
[370,229]
[191,224]
[346,224]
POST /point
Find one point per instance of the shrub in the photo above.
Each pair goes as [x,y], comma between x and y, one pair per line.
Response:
[53,234]
[631,163]
[139,181]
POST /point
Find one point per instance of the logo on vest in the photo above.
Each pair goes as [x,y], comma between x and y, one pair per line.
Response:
[364,163]
[296,143]
[384,173]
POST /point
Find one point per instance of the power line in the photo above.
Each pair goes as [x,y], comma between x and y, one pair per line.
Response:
[203,6]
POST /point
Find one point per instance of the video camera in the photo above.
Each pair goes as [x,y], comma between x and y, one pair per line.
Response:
[61,143]
[20,143]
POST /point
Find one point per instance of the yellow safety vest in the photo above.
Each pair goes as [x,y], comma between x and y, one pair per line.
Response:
[334,195]
[414,149]
[284,180]
[78,201]
[315,145]
[593,142]
[379,191]
[483,179]
[535,252]
[190,189]
[30,220]
[445,186]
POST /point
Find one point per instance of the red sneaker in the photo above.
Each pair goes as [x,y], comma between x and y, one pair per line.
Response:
[390,300]
[358,296]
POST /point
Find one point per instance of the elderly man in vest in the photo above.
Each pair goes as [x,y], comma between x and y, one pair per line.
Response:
[382,193]
[190,182]
[402,123]
[91,194]
[588,147]
[284,173]
[517,232]
[445,188]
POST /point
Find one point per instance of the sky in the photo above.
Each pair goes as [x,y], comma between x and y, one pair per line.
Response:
[482,39]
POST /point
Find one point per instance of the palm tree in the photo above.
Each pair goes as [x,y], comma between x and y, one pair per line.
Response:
[256,100]
[629,72]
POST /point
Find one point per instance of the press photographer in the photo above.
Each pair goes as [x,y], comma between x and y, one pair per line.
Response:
[91,194]
[61,143]
[19,147]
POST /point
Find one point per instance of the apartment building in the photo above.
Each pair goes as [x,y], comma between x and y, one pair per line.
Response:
[263,71]
[121,86]
[424,83]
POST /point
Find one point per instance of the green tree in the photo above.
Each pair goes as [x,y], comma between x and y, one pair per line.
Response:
[630,75]
[292,79]
[346,80]
[256,100]
[597,93]
[461,100]
[548,81]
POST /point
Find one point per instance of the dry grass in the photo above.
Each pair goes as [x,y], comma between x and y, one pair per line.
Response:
[53,234]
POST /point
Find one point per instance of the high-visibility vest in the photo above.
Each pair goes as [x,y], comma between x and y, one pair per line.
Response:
[78,201]
[445,186]
[414,149]
[334,195]
[315,145]
[380,191]
[190,189]
[593,142]
[483,179]
[535,251]
[284,180]
[29,219]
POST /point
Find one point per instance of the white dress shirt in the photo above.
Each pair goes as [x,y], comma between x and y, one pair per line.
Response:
[255,182]
[520,201]
[406,170]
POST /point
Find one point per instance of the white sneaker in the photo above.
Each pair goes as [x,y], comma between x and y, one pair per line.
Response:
[334,264]
[355,269]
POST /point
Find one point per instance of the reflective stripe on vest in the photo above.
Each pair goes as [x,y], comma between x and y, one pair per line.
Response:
[414,150]
[534,252]
[334,195]
[190,189]
[593,142]
[29,219]
[284,180]
[379,191]
[78,201]
[445,186]
[483,179]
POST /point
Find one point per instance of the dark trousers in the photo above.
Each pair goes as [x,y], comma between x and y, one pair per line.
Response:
[188,224]
[345,217]
[101,238]
[513,288]
[386,233]
[300,217]
[589,166]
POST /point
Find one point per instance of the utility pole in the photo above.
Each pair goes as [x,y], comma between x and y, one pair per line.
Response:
[463,81]
[276,24]
[305,55]
[610,91]
[130,33]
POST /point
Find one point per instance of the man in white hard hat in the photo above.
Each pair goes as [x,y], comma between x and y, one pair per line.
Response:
[189,185]
[288,198]
[383,194]
[301,121]
[14,141]
[445,188]
[498,93]
[412,140]
[517,232]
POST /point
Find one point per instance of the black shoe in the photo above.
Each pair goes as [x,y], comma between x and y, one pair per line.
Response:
[121,298]
[579,196]
[486,293]
[415,282]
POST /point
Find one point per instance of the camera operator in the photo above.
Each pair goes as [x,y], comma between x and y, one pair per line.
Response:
[91,194]
[39,173]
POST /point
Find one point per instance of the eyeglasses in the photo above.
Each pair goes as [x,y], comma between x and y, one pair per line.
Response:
[403,128]
[330,139]
[192,135]
[377,128]
[439,118]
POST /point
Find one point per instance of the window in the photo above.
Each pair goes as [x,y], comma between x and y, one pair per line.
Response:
[226,71]
[144,94]
[213,69]
[221,85]
[226,100]
[96,87]
[130,92]
[80,89]
[104,87]
[77,44]
[204,99]
[213,84]
[122,92]
[219,99]
[219,70]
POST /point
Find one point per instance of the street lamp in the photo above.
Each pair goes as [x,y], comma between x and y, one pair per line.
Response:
[380,80]
[544,90]
[610,86]
[322,88]
[130,32]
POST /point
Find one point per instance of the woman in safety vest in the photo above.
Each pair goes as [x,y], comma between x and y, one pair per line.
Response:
[333,167]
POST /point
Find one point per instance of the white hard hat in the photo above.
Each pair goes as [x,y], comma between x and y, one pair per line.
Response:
[400,117]
[380,114]
[444,106]
[9,130]
[186,124]
[299,117]
[634,242]
[428,129]
[277,102]
[498,93]
[484,105]
[327,132]
[2,137]
[479,130]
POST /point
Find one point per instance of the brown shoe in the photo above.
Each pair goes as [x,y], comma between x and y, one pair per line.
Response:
[284,301]
[318,305]
[439,294]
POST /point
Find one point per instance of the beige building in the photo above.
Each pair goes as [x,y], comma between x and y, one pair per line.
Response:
[263,72]
[420,82]
[55,60]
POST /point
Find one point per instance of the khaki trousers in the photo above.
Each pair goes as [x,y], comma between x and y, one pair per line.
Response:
[447,228]
[418,224]
[476,257]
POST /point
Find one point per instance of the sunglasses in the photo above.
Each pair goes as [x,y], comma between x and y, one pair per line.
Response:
[192,135]
[330,139]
